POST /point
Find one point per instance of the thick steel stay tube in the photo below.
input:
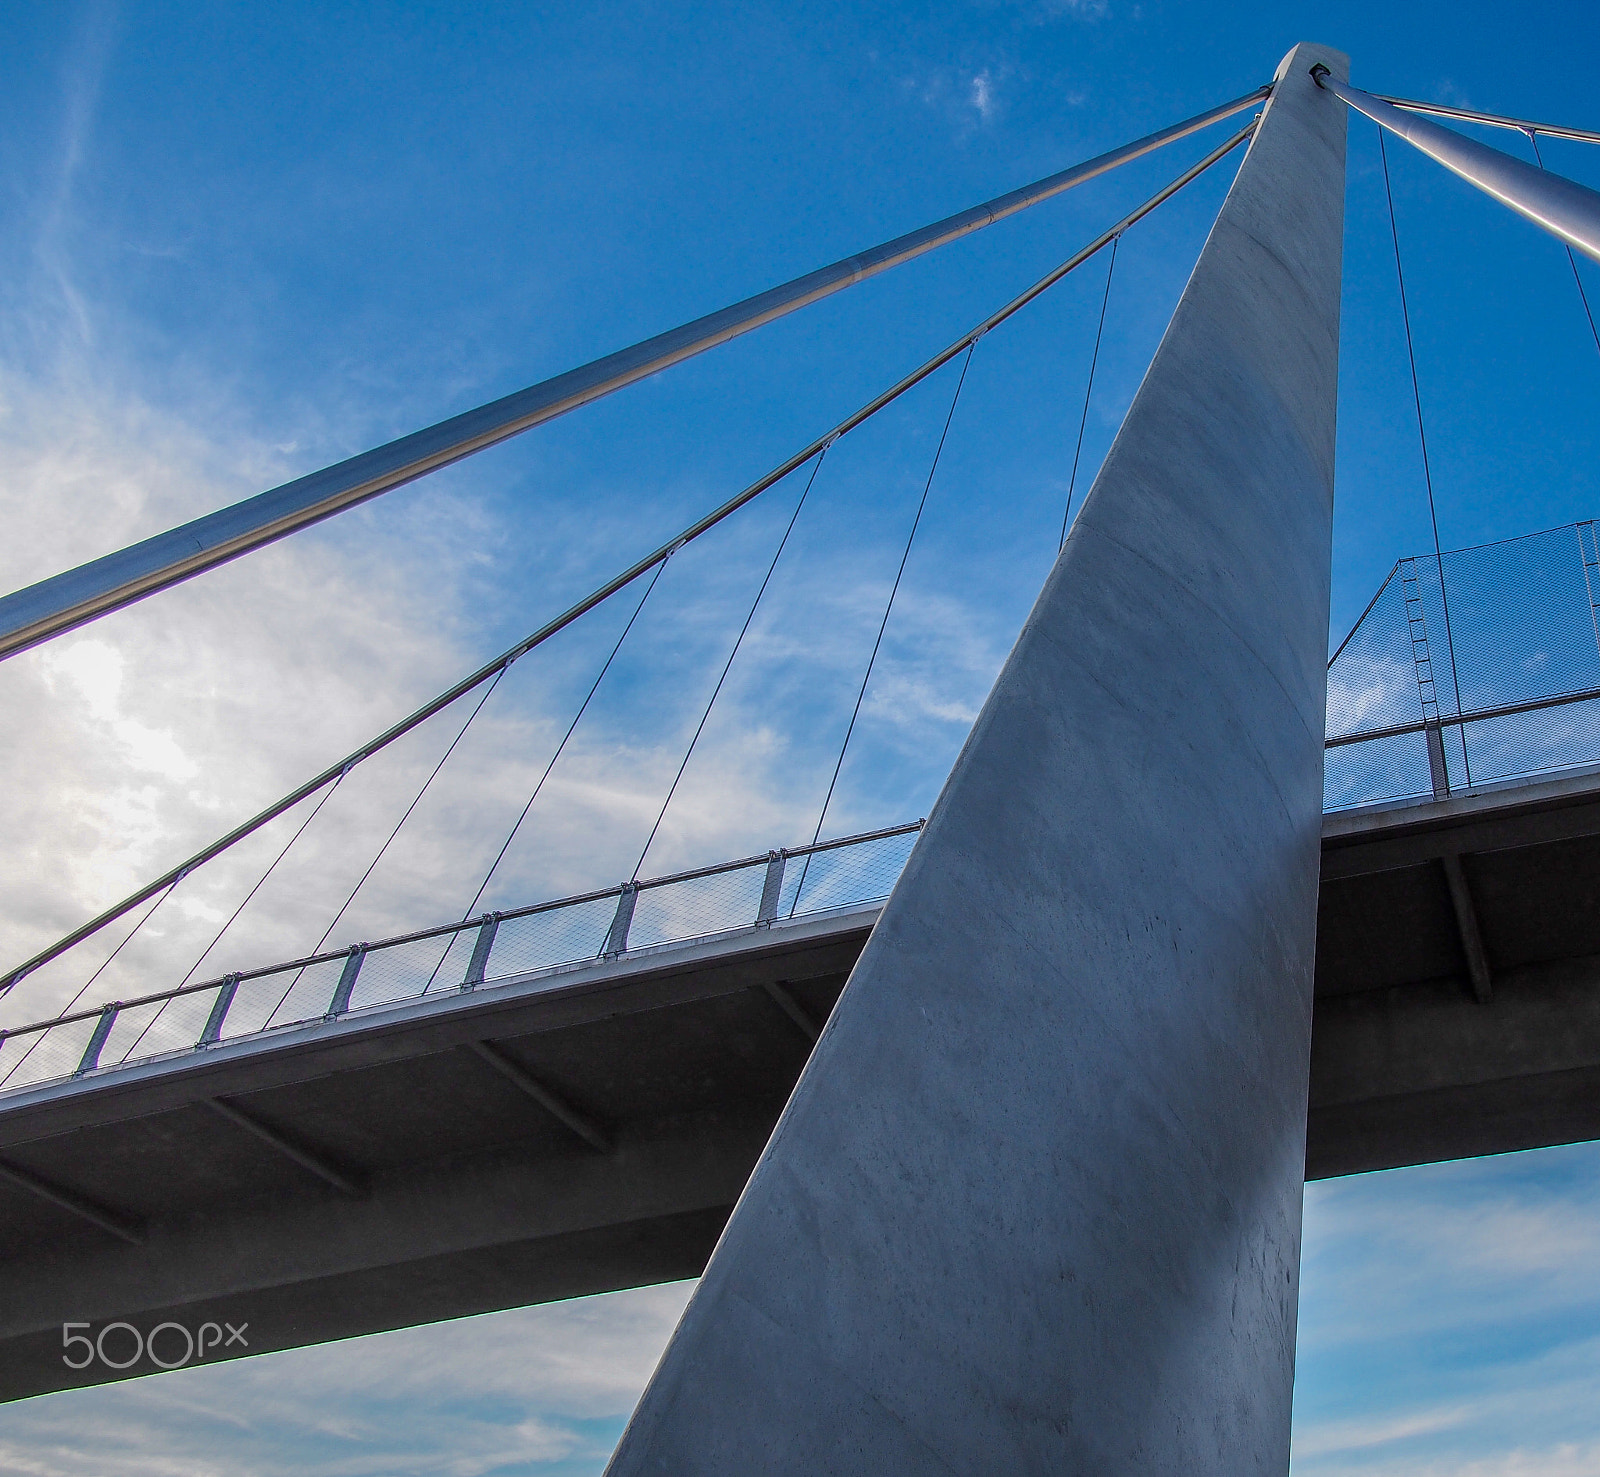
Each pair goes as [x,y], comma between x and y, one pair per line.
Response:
[627,577]
[1563,207]
[79,595]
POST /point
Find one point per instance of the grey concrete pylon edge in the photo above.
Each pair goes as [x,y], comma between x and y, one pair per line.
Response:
[1034,1205]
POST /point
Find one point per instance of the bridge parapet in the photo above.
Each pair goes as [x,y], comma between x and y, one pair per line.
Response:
[1422,705]
[1473,668]
[548,938]
[1471,673]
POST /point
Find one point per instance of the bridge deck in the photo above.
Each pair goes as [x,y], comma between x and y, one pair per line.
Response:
[568,1133]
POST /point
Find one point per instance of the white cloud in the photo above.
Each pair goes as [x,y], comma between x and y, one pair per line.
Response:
[983,95]
[1366,1432]
[1566,1459]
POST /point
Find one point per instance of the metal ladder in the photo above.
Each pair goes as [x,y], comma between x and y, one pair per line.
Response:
[1589,548]
[1426,690]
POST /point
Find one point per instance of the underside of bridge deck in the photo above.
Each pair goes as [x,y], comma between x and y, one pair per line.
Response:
[1458,979]
[592,1130]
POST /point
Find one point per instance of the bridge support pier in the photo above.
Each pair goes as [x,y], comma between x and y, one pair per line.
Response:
[1034,1205]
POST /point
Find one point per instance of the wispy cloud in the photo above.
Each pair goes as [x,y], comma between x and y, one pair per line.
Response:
[983,95]
[1367,1432]
[1448,1319]
[539,1390]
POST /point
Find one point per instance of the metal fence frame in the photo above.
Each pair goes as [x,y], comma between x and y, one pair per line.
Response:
[1445,666]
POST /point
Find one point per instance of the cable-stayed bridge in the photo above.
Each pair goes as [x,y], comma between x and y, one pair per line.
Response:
[571,1095]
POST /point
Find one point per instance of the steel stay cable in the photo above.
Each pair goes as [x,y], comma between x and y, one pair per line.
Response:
[1094,359]
[1492,120]
[727,667]
[1422,438]
[628,576]
[883,625]
[1572,261]
[560,748]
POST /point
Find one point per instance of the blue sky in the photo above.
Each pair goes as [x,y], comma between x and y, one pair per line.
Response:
[238,243]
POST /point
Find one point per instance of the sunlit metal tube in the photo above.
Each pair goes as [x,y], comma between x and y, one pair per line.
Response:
[76,596]
[1563,207]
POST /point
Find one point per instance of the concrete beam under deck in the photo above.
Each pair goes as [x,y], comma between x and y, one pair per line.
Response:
[464,1193]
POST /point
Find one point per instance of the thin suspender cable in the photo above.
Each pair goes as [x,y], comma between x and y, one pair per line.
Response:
[628,576]
[1491,120]
[261,882]
[883,625]
[1422,438]
[83,989]
[727,666]
[417,800]
[1572,261]
[372,865]
[327,795]
[1088,390]
[583,707]
[127,939]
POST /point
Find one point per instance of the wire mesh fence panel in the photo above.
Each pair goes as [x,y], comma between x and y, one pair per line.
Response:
[256,1001]
[41,1056]
[397,972]
[174,1024]
[1518,744]
[699,905]
[556,936]
[304,994]
[130,1037]
[861,873]
[1520,628]
[1394,768]
[1521,619]
[453,957]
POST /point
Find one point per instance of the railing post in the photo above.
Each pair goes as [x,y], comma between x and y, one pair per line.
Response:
[219,1011]
[480,951]
[102,1028]
[347,981]
[617,938]
[1438,771]
[771,889]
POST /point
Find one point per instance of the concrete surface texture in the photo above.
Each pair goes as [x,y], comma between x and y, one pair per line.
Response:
[1034,1205]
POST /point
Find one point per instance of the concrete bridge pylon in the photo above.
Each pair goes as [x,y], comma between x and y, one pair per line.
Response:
[1034,1205]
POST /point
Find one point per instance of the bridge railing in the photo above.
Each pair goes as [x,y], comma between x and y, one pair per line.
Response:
[1474,668]
[1477,667]
[548,938]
